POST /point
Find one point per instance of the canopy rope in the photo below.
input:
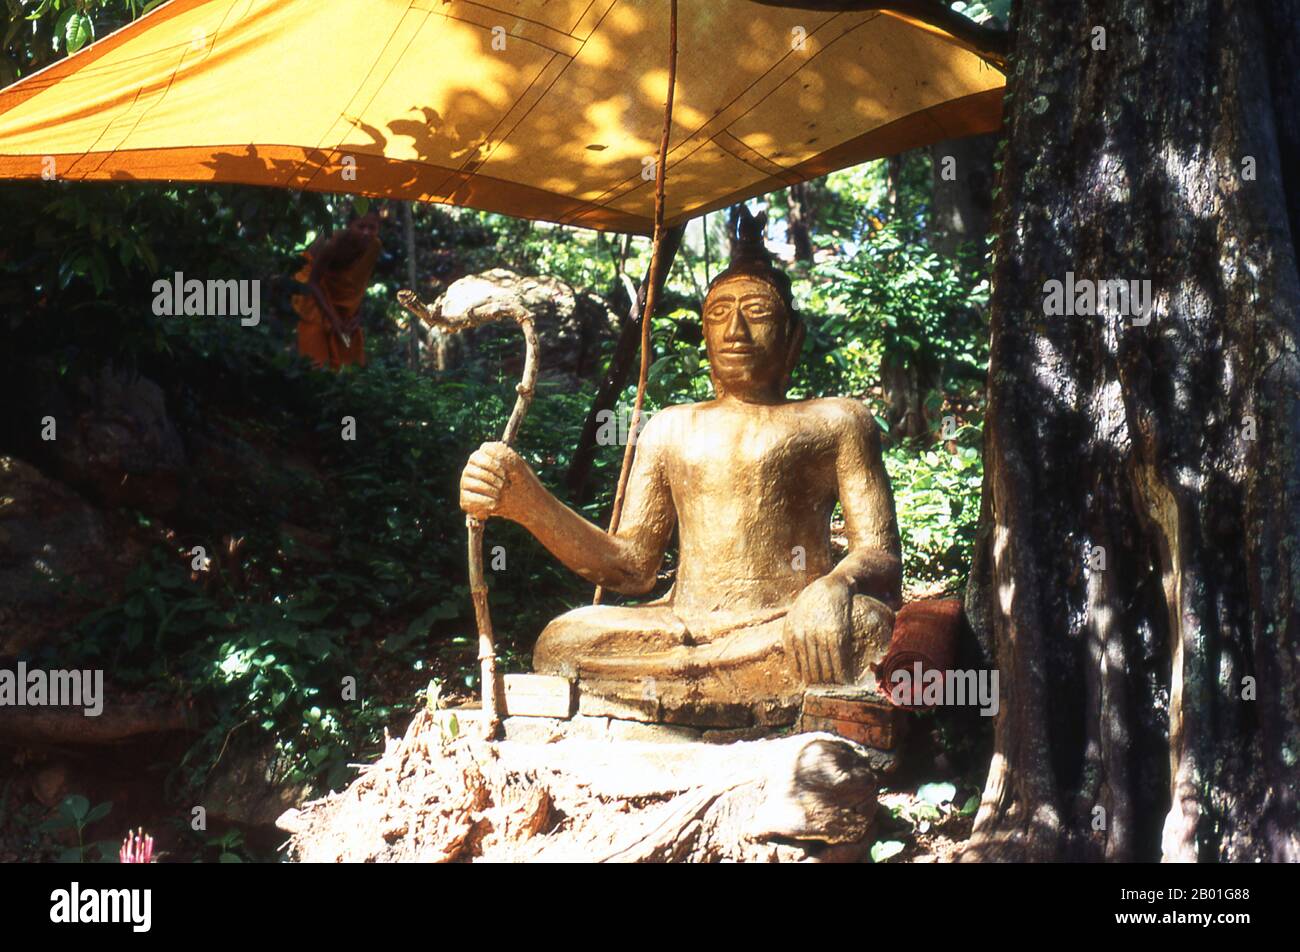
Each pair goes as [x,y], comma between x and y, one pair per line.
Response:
[652,291]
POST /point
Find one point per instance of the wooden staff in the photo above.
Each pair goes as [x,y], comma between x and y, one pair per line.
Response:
[489,313]
[476,317]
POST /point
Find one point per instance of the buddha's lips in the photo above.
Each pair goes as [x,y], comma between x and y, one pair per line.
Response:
[738,352]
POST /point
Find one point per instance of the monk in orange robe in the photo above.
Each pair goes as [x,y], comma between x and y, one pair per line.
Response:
[336,275]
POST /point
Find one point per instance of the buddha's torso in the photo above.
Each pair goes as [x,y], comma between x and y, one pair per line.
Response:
[753,518]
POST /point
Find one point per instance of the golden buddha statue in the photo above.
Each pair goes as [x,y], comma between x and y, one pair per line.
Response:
[758,610]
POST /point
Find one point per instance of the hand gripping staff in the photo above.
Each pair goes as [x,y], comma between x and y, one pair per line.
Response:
[478,315]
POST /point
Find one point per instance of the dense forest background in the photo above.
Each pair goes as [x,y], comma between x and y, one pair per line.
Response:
[333,559]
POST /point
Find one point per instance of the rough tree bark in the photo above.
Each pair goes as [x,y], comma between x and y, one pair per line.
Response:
[799,221]
[1172,155]
[902,383]
[616,375]
[961,206]
[412,281]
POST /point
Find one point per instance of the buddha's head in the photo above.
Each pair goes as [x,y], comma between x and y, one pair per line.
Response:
[751,330]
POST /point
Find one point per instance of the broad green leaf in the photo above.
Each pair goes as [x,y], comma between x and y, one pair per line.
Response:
[78,32]
[75,807]
[419,628]
[927,811]
[884,849]
[99,812]
[936,793]
[59,39]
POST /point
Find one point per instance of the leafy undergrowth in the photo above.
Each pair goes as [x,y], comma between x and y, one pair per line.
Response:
[309,585]
[937,496]
[929,824]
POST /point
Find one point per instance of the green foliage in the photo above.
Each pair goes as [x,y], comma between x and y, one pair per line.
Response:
[982,11]
[372,588]
[37,32]
[883,850]
[90,256]
[855,202]
[76,813]
[937,495]
[229,846]
[930,809]
[581,258]
[895,296]
[680,370]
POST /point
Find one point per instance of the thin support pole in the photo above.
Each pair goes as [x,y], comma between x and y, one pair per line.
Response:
[652,292]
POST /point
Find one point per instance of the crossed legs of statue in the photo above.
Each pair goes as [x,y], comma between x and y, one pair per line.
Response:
[725,662]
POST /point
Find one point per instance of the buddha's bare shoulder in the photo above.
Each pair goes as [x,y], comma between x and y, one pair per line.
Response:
[667,425]
[846,416]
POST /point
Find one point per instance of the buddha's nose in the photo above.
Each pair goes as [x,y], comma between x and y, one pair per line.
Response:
[737,329]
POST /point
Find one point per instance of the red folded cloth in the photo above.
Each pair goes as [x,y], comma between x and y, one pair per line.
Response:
[925,632]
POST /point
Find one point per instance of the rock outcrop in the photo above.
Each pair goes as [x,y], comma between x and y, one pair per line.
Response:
[571,325]
[58,556]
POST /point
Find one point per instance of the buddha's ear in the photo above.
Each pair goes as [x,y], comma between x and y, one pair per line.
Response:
[793,349]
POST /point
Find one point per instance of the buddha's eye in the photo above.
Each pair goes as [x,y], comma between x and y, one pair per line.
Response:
[758,311]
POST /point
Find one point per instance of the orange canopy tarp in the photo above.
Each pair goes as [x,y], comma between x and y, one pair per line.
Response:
[548,109]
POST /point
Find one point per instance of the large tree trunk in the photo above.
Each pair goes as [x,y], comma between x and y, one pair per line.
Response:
[1151,707]
[412,281]
[619,370]
[904,391]
[800,221]
[961,196]
[902,383]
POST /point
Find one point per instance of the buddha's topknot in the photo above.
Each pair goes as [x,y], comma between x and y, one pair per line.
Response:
[749,256]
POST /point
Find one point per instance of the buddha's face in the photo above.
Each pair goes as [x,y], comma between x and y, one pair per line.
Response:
[749,334]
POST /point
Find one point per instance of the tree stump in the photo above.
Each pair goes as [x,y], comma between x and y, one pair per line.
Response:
[442,794]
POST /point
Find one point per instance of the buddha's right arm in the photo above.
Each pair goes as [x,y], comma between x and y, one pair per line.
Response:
[627,562]
[497,482]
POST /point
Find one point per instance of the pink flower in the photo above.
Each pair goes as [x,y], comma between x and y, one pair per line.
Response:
[136,848]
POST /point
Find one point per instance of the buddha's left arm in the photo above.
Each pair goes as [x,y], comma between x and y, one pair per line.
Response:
[874,564]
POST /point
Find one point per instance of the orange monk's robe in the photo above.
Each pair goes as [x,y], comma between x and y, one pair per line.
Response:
[346,289]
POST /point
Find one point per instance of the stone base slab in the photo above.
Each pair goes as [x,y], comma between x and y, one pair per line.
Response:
[584,727]
[677,703]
